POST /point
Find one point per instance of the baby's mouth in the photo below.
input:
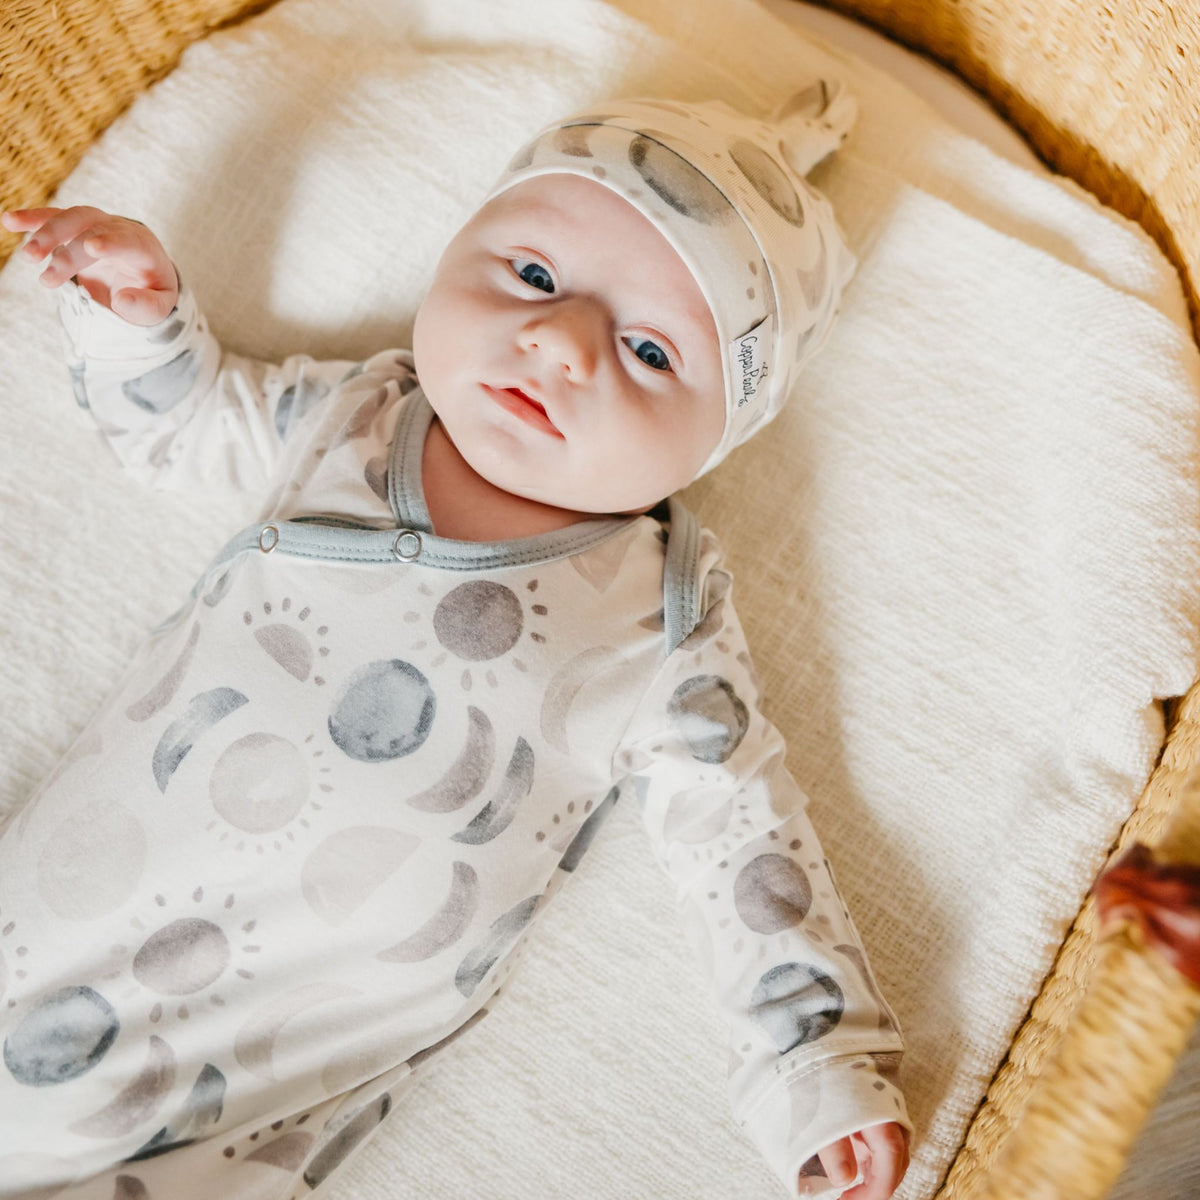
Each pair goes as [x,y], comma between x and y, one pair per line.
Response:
[528,399]
[523,405]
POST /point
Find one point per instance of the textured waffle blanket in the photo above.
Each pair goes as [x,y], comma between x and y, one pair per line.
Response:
[965,554]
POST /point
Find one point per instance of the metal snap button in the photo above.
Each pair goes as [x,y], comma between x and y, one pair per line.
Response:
[407,545]
[268,538]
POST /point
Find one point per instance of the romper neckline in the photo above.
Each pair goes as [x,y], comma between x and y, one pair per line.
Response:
[406,495]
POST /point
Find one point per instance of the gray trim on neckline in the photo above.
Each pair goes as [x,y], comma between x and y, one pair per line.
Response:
[336,539]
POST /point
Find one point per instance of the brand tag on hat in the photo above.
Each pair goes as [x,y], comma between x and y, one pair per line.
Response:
[748,356]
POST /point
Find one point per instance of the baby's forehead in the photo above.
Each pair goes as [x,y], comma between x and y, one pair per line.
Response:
[566,199]
[582,216]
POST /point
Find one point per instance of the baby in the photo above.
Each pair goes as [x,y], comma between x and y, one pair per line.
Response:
[299,849]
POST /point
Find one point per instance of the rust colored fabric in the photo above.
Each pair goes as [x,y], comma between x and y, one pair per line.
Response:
[1162,899]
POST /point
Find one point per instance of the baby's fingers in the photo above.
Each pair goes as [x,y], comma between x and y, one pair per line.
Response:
[22,220]
[143,306]
[66,262]
[62,226]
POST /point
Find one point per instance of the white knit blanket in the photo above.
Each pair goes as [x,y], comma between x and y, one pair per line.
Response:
[965,554]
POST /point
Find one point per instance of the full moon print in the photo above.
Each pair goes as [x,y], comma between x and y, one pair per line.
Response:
[259,783]
[92,862]
[479,620]
[795,1003]
[63,1037]
[771,893]
[710,715]
[385,711]
[182,958]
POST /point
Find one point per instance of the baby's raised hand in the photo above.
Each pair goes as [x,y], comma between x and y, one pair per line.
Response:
[879,1152]
[117,260]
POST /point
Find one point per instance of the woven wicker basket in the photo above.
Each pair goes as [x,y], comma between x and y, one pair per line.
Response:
[1102,1037]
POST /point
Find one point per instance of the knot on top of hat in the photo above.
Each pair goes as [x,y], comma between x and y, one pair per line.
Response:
[814,122]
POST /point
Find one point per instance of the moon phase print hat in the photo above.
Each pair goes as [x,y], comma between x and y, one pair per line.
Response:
[729,193]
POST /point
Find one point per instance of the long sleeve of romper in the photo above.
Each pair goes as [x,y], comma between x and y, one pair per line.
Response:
[813,1046]
[178,411]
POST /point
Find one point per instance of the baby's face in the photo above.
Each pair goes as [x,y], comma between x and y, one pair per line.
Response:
[560,292]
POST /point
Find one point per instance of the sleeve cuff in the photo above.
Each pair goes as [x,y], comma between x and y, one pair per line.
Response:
[95,332]
[804,1112]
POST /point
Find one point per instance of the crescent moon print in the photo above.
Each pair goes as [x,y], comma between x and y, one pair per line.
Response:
[203,712]
[359,424]
[587,832]
[503,933]
[498,813]
[446,925]
[220,589]
[295,401]
[138,1100]
[254,1046]
[565,686]
[468,773]
[453,1035]
[340,1137]
[164,691]
[287,1152]
[198,1113]
[349,866]
[375,475]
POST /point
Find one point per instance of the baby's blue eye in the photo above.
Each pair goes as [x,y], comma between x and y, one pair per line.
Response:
[533,273]
[649,352]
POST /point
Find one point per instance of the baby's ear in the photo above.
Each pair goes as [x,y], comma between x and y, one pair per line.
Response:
[814,122]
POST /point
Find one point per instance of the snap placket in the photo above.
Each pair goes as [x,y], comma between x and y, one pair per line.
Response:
[407,546]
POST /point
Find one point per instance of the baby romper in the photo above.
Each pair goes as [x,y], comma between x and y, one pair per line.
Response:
[299,848]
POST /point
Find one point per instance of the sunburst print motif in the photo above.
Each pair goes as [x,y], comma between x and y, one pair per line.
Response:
[183,957]
[287,635]
[262,786]
[12,955]
[480,622]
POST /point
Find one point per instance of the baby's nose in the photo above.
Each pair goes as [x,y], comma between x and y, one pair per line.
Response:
[568,333]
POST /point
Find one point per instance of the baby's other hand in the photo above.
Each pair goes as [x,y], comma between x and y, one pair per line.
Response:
[116,260]
[880,1152]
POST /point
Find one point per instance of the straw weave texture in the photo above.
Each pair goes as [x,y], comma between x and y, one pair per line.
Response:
[1106,94]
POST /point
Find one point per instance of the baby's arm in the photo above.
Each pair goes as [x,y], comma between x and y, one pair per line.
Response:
[177,410]
[813,1045]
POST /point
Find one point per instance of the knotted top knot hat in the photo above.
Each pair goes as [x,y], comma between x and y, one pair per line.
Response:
[729,193]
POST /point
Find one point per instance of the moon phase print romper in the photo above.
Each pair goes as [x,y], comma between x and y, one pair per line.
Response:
[301,845]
